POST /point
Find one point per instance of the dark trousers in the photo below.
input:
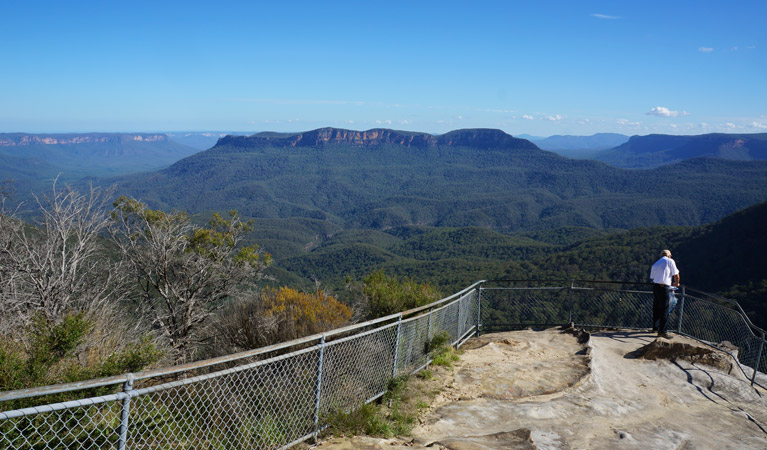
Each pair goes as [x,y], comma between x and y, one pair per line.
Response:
[660,307]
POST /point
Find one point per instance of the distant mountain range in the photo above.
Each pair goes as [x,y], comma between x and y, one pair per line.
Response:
[201,140]
[33,160]
[96,154]
[641,152]
[582,147]
[448,208]
[386,178]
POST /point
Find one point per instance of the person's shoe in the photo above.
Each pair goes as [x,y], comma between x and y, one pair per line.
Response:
[665,336]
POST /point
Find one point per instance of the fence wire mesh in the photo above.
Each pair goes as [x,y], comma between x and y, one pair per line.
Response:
[278,401]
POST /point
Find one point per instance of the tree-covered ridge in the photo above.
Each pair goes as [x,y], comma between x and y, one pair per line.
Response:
[654,150]
[476,138]
[508,187]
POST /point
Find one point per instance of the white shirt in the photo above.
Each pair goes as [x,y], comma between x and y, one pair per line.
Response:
[663,270]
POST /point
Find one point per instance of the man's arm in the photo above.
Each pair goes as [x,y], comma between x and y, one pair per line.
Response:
[675,280]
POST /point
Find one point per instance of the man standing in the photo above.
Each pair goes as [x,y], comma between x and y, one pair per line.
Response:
[664,275]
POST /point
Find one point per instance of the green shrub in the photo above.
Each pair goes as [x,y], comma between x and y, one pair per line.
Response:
[440,350]
[52,356]
[388,295]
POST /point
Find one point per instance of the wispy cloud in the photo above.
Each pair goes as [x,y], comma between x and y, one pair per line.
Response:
[604,16]
[756,124]
[554,118]
[705,49]
[627,123]
[661,111]
[528,117]
[286,101]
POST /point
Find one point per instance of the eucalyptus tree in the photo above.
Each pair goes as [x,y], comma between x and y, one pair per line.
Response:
[183,272]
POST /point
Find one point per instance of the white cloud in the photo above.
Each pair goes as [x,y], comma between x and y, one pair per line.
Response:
[756,124]
[528,117]
[459,117]
[730,125]
[383,122]
[662,111]
[554,118]
[604,16]
[705,49]
[628,123]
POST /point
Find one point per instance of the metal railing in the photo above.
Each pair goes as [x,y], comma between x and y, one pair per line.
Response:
[278,396]
[710,319]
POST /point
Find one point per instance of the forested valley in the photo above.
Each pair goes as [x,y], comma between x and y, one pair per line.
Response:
[266,238]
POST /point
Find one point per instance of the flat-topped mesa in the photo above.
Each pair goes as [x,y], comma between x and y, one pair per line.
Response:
[23,139]
[478,138]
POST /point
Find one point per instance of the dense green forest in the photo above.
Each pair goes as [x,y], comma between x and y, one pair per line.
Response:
[492,181]
[332,206]
[724,257]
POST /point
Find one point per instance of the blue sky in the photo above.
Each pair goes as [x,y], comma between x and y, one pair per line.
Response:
[540,68]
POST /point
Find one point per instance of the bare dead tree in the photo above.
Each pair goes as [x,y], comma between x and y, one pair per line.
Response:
[60,265]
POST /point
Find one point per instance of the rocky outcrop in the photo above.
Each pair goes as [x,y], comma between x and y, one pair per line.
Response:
[22,139]
[476,138]
[691,352]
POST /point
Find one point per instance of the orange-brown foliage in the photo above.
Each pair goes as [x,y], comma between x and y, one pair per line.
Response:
[308,313]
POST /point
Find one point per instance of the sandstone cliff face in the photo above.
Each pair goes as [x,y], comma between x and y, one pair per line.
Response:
[16,140]
[479,138]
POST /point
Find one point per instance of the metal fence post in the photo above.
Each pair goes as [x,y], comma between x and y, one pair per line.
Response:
[396,346]
[458,306]
[570,302]
[479,308]
[318,391]
[428,326]
[681,312]
[125,414]
[758,360]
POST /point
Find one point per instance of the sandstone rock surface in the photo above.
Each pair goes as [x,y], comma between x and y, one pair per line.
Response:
[544,390]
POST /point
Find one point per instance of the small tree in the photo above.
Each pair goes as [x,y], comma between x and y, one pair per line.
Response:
[184,272]
[383,295]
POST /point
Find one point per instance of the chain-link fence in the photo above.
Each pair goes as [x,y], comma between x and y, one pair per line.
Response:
[268,398]
[713,320]
[275,397]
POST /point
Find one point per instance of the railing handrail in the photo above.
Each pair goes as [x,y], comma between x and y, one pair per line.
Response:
[171,370]
[390,346]
[740,309]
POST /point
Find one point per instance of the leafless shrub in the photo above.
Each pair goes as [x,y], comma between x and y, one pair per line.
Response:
[61,265]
